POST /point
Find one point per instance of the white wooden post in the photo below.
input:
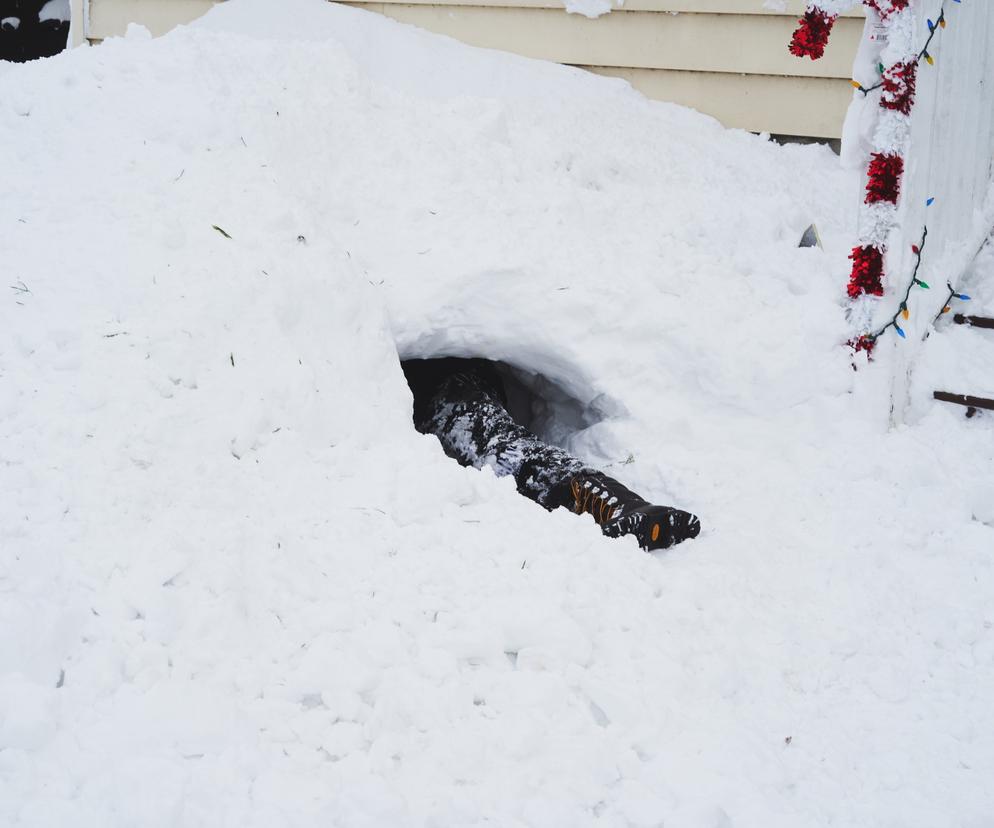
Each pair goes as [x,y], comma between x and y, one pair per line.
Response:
[78,22]
[949,158]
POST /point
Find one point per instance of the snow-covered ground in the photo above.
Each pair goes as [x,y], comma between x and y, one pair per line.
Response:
[238,589]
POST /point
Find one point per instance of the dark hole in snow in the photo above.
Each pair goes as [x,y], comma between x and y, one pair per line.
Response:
[542,405]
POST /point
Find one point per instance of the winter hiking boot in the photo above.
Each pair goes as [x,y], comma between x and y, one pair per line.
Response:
[619,511]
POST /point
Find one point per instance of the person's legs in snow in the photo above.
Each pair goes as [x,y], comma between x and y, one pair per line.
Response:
[462,402]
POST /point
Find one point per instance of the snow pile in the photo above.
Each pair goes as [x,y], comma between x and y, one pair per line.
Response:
[239,588]
[55,10]
[592,8]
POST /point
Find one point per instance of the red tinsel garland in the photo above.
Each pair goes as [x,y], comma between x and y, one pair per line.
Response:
[885,8]
[867,272]
[899,87]
[886,168]
[865,342]
[812,34]
[884,182]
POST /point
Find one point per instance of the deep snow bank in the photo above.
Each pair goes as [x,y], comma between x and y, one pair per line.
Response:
[238,588]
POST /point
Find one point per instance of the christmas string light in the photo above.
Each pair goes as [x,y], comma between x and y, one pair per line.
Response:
[902,309]
[899,80]
[946,307]
[866,342]
[885,172]
[887,163]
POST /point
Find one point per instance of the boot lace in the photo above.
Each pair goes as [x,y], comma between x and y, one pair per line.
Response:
[595,499]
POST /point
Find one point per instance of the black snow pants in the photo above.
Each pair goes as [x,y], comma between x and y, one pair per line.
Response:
[463,403]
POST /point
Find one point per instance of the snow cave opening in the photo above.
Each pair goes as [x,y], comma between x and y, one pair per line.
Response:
[544,406]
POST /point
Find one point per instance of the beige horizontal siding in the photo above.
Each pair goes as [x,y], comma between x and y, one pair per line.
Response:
[110,18]
[759,103]
[750,44]
[727,58]
[794,8]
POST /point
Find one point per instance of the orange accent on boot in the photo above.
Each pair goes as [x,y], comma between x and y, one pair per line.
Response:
[584,500]
[577,496]
[604,506]
[655,533]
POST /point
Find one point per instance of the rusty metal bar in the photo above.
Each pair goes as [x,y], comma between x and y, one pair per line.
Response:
[972,404]
[975,321]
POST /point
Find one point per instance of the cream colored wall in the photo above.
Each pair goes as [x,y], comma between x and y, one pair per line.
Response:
[110,18]
[727,58]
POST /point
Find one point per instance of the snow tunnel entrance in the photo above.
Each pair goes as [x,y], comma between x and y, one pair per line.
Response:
[469,404]
[534,401]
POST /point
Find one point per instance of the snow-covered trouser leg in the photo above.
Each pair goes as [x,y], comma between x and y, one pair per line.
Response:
[476,430]
[464,410]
